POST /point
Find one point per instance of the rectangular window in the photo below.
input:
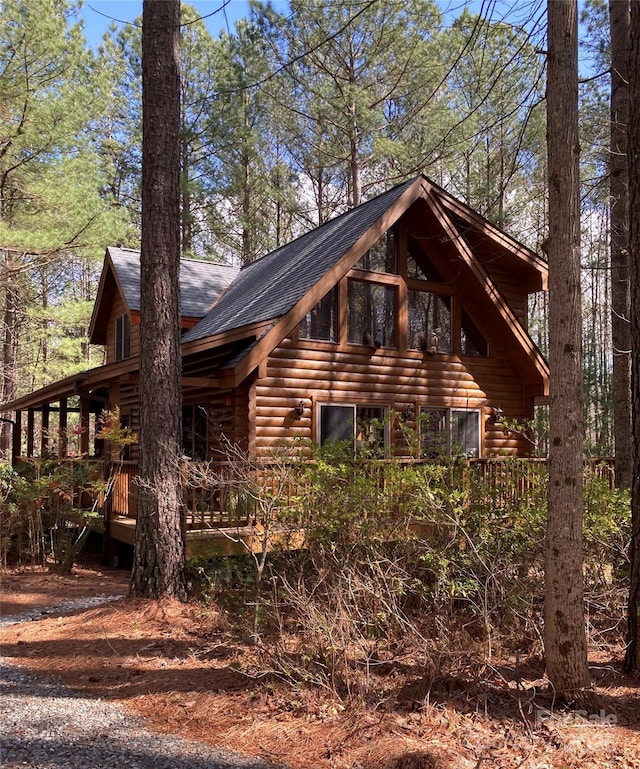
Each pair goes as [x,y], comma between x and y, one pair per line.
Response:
[364,427]
[336,424]
[465,432]
[446,432]
[433,433]
[194,431]
[381,257]
[122,337]
[321,322]
[429,317]
[372,312]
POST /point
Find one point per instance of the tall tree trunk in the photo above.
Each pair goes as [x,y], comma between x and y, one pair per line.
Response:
[159,559]
[185,200]
[619,197]
[87,295]
[44,332]
[632,658]
[564,626]
[9,341]
[247,245]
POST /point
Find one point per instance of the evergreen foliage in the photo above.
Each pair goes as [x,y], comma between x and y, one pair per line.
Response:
[55,218]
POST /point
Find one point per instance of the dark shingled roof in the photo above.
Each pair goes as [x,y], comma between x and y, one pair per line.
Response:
[269,287]
[201,283]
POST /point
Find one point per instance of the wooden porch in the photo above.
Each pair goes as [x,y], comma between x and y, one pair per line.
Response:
[221,520]
[218,519]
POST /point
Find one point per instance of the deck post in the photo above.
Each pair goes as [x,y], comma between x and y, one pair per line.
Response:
[44,437]
[84,424]
[16,443]
[62,429]
[30,429]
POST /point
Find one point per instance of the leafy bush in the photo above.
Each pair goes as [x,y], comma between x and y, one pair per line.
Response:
[10,515]
[48,509]
[436,556]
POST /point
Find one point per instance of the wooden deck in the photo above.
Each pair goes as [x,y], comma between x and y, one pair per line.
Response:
[219,522]
[222,541]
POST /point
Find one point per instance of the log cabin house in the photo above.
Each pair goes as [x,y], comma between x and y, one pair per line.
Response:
[410,309]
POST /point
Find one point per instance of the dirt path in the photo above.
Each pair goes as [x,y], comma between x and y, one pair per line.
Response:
[190,673]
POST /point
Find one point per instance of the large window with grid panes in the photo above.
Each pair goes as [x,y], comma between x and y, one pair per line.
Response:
[372,312]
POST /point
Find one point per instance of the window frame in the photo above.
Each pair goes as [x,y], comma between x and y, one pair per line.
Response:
[388,244]
[189,427]
[122,337]
[334,324]
[400,285]
[385,408]
[468,329]
[426,346]
[390,288]
[449,412]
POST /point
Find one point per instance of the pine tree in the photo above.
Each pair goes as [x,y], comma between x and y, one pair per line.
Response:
[159,554]
[564,624]
[54,215]
[496,139]
[632,657]
[619,197]
[353,79]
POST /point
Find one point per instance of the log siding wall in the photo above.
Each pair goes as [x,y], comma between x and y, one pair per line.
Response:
[315,373]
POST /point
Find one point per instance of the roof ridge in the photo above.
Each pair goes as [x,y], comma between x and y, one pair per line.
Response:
[206,261]
[334,219]
[182,258]
[124,248]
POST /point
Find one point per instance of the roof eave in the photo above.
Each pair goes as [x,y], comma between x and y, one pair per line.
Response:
[522,340]
[527,256]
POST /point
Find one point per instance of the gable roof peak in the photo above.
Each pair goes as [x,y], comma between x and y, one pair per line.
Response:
[269,287]
[333,221]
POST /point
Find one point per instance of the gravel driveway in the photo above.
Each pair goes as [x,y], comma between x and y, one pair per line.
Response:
[48,726]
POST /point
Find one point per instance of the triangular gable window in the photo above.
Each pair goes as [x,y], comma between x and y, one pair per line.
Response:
[472,341]
[381,257]
[419,265]
[321,322]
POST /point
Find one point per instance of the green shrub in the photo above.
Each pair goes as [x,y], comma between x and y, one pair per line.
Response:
[48,510]
[411,553]
[398,556]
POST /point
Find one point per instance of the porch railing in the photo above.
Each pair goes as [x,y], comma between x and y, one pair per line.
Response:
[221,501]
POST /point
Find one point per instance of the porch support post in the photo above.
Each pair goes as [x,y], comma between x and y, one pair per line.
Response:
[62,429]
[84,423]
[114,402]
[30,429]
[44,437]
[16,438]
